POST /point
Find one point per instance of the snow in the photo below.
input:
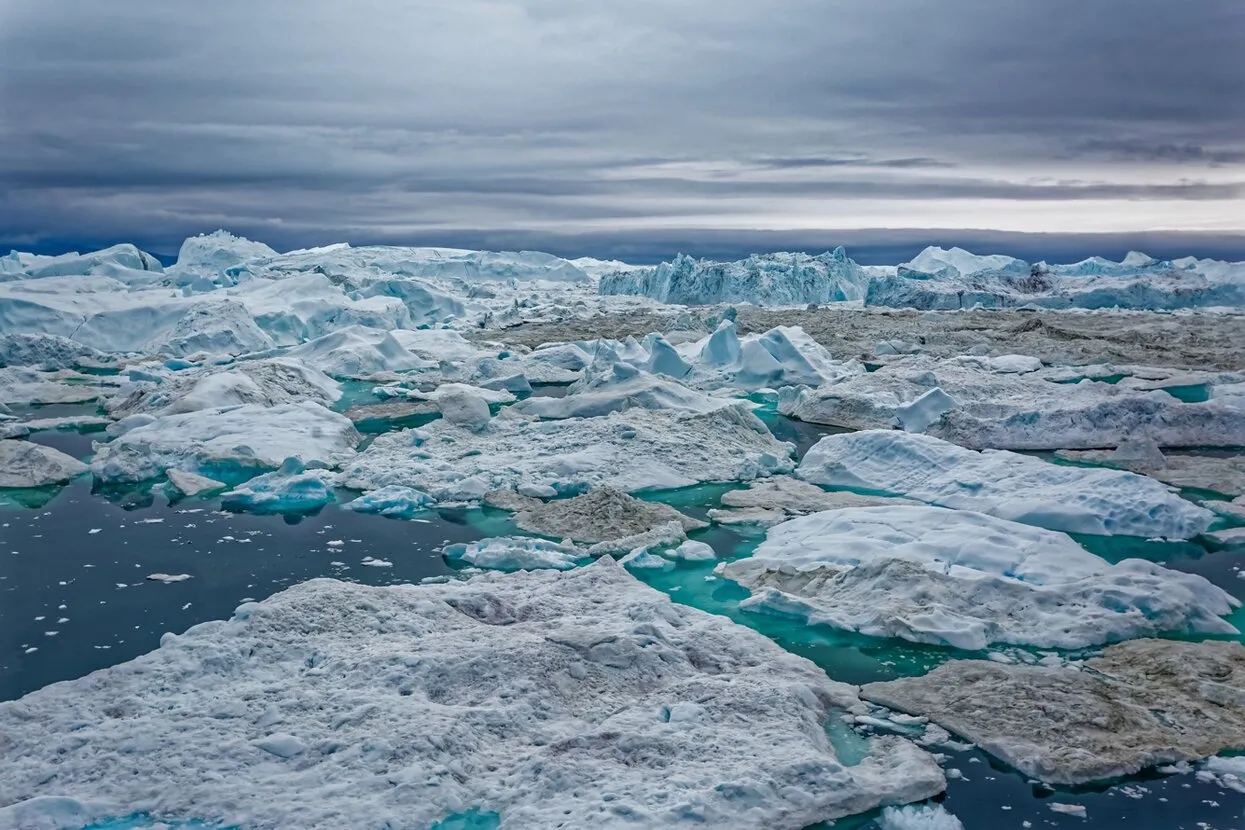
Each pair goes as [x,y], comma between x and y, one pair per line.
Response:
[1003,484]
[632,451]
[953,577]
[23,464]
[392,501]
[227,443]
[290,489]
[406,704]
[966,401]
[781,279]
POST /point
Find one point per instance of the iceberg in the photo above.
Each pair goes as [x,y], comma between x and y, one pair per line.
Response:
[358,352]
[418,701]
[1003,484]
[393,502]
[517,553]
[769,501]
[632,451]
[229,444]
[963,579]
[1141,704]
[267,383]
[965,401]
[290,489]
[781,279]
[24,464]
[596,516]
[618,388]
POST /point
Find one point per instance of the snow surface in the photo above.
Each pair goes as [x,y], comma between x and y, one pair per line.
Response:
[346,705]
[958,578]
[1004,484]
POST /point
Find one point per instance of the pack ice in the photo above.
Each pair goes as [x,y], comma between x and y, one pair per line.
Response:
[964,579]
[634,450]
[970,402]
[1003,484]
[580,699]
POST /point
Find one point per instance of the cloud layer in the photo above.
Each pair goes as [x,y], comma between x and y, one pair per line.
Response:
[150,119]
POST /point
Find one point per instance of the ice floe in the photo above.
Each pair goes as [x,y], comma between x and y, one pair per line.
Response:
[1142,703]
[25,464]
[229,444]
[958,578]
[597,516]
[961,400]
[631,451]
[1004,484]
[417,702]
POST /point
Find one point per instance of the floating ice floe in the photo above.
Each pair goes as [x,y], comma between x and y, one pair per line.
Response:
[264,382]
[1199,472]
[1004,484]
[290,489]
[980,408]
[600,515]
[393,502]
[190,485]
[25,464]
[919,817]
[772,500]
[416,701]
[953,577]
[20,385]
[1141,704]
[517,553]
[229,444]
[631,451]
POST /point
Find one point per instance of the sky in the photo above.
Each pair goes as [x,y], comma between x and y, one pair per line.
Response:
[625,126]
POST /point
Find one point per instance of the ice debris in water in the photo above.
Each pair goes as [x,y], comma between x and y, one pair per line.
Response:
[1003,484]
[958,578]
[492,692]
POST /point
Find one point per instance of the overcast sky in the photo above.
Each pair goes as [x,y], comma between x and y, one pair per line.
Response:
[308,122]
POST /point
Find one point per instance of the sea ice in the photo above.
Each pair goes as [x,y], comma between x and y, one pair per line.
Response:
[230,444]
[971,405]
[25,464]
[290,489]
[402,705]
[1021,488]
[953,577]
[631,451]
[1142,703]
[392,501]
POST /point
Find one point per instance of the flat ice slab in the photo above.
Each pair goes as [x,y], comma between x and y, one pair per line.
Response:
[1140,704]
[1004,484]
[340,705]
[953,577]
[631,451]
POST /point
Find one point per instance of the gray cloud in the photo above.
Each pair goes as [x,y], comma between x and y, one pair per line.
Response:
[376,118]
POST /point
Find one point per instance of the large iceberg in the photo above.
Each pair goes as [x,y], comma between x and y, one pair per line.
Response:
[230,444]
[1004,484]
[969,402]
[955,279]
[958,578]
[782,279]
[632,451]
[580,698]
[23,464]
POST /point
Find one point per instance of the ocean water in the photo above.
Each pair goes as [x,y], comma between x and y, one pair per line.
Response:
[75,596]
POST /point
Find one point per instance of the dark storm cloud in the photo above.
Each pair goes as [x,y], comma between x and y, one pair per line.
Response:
[322,120]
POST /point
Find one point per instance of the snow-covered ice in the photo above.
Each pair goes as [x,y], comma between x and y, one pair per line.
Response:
[964,579]
[1004,484]
[1142,703]
[24,464]
[342,704]
[631,451]
[229,444]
